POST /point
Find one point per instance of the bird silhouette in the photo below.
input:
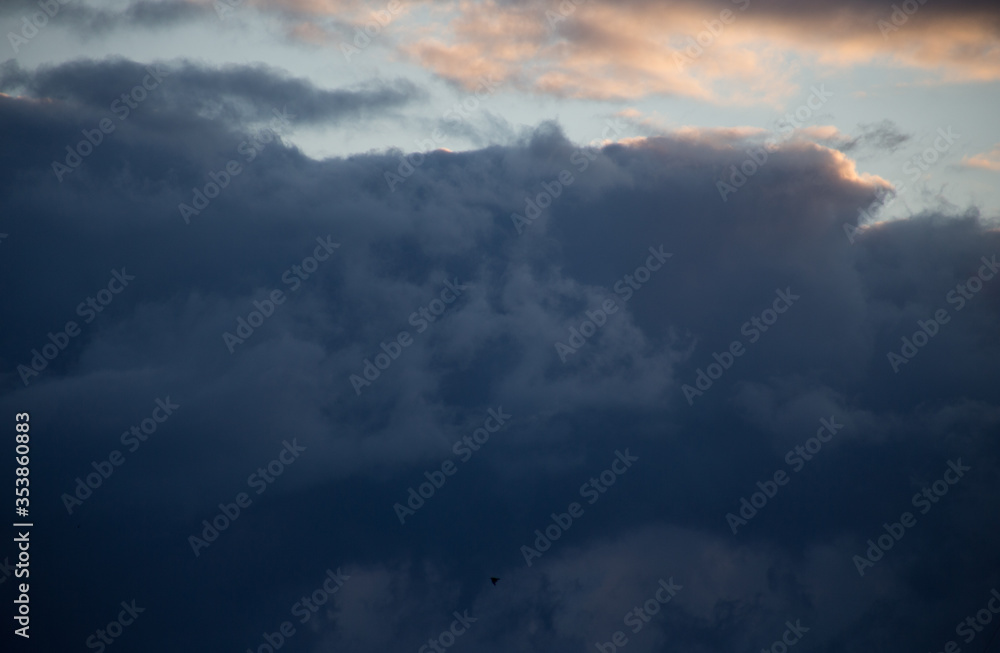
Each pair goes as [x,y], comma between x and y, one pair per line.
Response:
[494,580]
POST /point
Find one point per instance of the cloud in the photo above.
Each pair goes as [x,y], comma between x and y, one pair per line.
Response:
[493,346]
[724,52]
[984,161]
[884,135]
[729,53]
[236,93]
[93,21]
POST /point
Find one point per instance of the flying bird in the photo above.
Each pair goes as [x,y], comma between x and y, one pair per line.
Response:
[494,580]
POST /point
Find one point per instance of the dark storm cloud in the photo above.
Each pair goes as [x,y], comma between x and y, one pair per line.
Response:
[493,346]
[236,93]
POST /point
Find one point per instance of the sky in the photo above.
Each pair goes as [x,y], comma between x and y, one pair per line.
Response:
[507,326]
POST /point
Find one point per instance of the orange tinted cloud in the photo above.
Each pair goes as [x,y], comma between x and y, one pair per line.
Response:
[985,161]
[727,52]
[711,52]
